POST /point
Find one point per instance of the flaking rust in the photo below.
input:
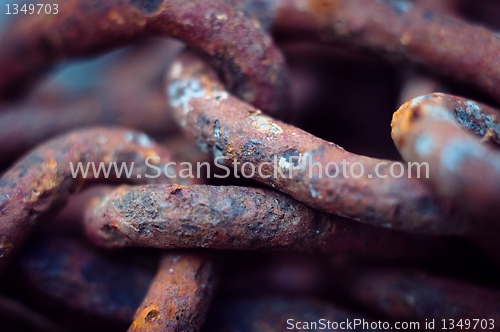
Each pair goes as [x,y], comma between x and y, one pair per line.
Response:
[228,217]
[41,181]
[243,52]
[180,294]
[229,127]
[459,139]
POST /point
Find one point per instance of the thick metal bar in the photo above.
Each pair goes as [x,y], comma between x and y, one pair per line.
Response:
[458,138]
[41,182]
[228,217]
[180,294]
[300,164]
[243,52]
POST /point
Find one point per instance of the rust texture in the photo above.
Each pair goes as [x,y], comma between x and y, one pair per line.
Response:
[245,54]
[459,139]
[180,294]
[399,30]
[310,230]
[414,295]
[229,217]
[229,127]
[69,279]
[115,98]
[272,313]
[41,181]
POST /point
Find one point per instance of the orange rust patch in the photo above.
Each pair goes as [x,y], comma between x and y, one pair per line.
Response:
[490,137]
[406,39]
[146,317]
[115,17]
[152,316]
[44,185]
[52,163]
[322,8]
[402,121]
[178,278]
[253,111]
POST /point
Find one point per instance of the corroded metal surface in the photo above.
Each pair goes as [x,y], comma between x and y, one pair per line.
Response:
[228,217]
[179,296]
[459,139]
[43,179]
[244,53]
[397,30]
[343,238]
[229,127]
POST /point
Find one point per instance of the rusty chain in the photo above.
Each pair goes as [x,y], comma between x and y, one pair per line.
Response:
[231,100]
[228,217]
